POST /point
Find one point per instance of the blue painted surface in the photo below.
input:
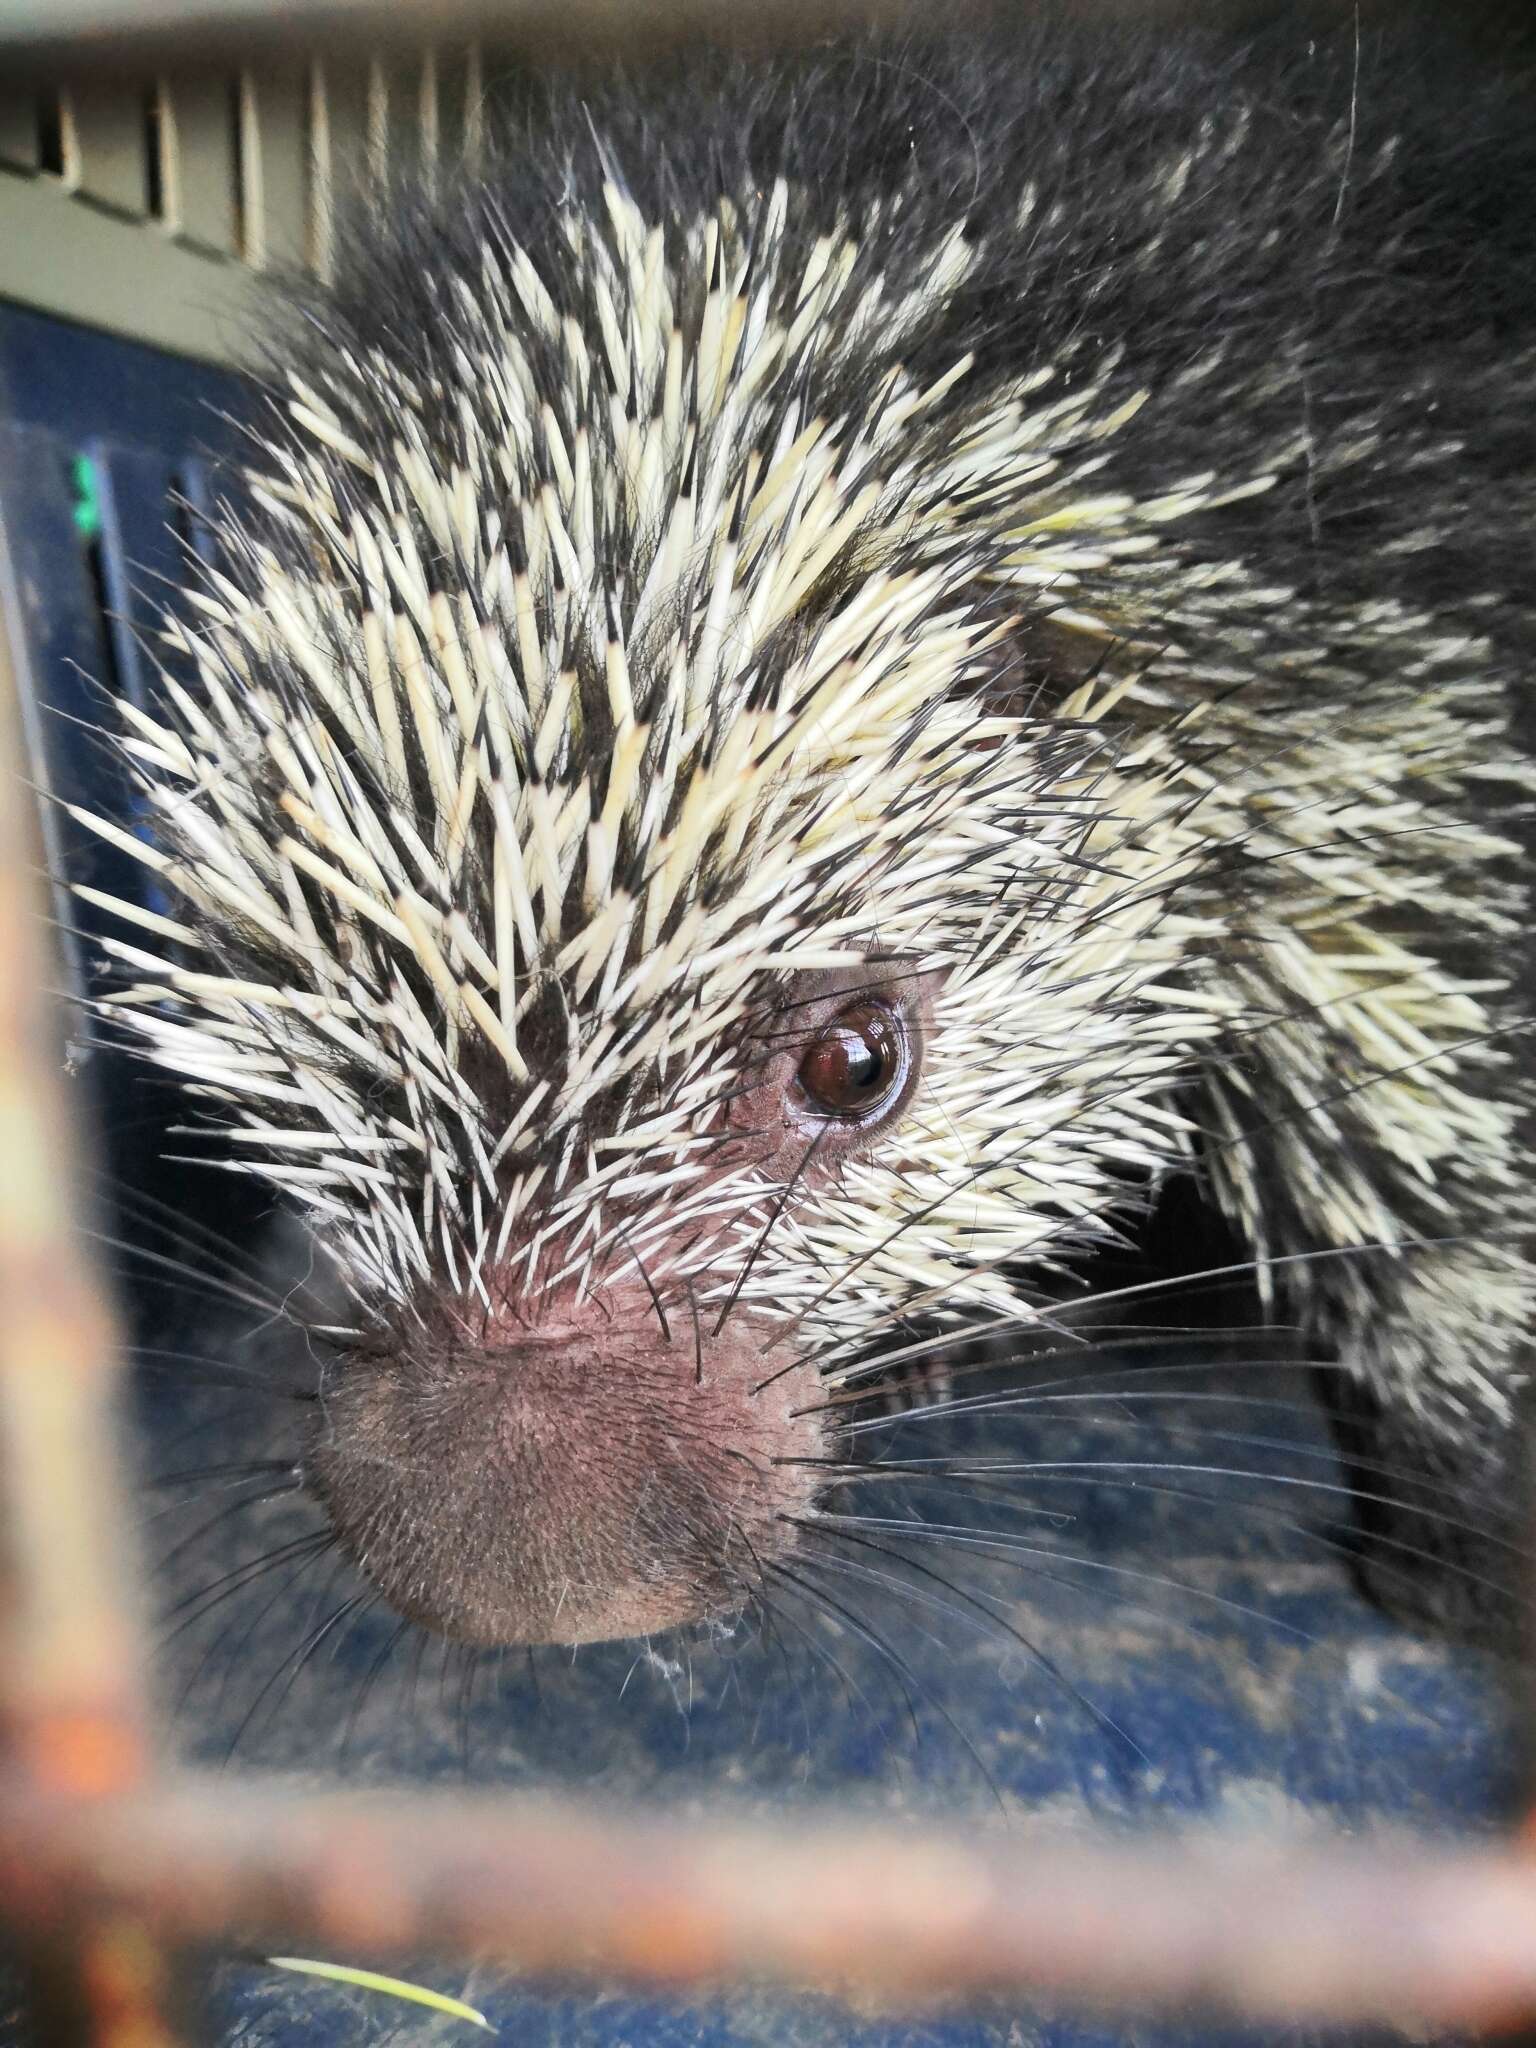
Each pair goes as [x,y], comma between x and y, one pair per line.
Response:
[100,440]
[1164,1643]
[78,383]
[130,430]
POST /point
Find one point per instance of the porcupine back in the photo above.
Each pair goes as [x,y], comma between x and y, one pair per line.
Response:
[769,536]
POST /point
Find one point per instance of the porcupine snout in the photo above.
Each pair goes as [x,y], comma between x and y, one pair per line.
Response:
[581,1477]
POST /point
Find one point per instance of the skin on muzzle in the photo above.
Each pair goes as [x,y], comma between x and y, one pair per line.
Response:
[585,1479]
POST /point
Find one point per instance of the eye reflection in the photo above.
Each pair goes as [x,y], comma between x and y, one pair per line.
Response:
[857,1066]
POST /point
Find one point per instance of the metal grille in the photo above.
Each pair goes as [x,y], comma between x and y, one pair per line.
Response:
[152,206]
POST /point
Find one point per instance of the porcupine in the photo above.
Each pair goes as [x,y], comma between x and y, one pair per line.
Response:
[829,670]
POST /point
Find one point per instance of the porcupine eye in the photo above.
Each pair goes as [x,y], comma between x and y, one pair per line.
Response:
[857,1067]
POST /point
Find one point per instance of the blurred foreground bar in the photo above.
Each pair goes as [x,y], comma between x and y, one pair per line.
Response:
[74,1720]
[1398,1931]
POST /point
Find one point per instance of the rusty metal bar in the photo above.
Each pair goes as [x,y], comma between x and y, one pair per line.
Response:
[71,1662]
[1329,1930]
[73,1716]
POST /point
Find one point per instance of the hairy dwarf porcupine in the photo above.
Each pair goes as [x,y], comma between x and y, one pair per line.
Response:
[827,671]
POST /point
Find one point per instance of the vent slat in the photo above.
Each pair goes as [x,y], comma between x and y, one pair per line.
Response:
[394,119]
[218,176]
[105,146]
[459,90]
[18,130]
[429,111]
[274,126]
[338,143]
[198,154]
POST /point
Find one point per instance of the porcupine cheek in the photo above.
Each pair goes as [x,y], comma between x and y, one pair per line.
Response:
[575,1483]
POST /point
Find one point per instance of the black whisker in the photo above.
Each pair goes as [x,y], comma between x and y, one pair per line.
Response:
[286,1675]
[258,1497]
[979,1479]
[370,1679]
[1004,1547]
[1031,1649]
[194,1606]
[762,1237]
[847,1569]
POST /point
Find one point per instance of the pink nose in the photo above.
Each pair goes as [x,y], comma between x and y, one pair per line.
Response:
[570,1484]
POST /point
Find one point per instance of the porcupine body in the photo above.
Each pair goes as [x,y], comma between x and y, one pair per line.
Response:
[832,668]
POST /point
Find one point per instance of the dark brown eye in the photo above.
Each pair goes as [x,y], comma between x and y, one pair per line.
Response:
[858,1064]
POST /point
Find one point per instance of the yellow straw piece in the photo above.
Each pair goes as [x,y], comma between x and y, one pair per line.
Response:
[392,1987]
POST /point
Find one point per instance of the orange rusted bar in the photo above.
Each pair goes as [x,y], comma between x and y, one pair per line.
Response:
[73,1719]
[1397,1931]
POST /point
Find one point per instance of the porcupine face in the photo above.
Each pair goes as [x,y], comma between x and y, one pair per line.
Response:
[619,901]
